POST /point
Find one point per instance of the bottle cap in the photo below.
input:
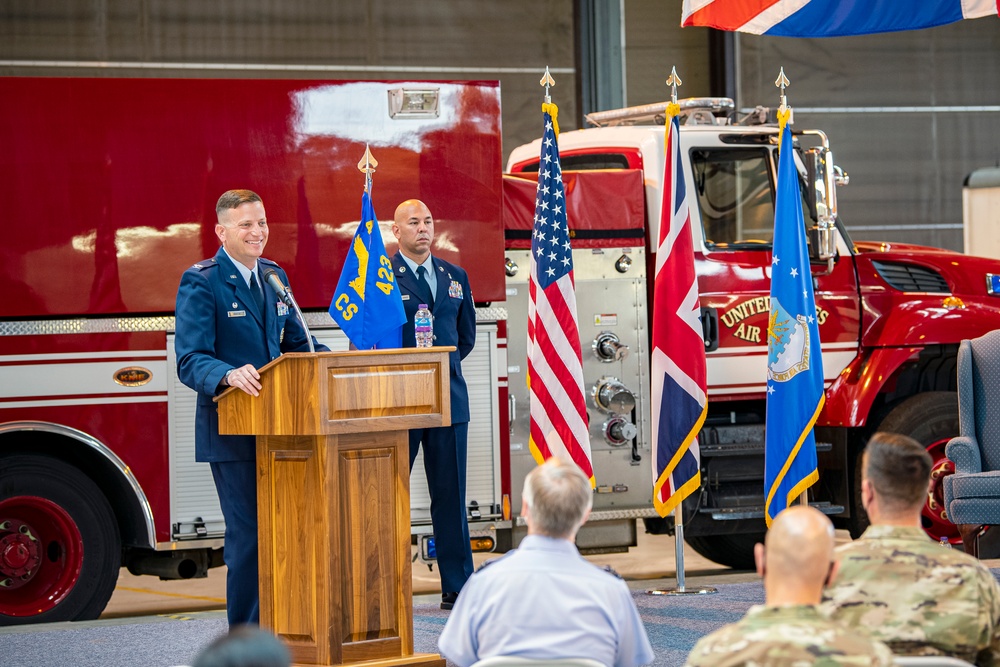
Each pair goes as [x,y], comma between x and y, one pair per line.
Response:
[423,305]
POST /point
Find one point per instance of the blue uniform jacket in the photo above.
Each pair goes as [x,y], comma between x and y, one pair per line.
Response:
[454,321]
[218,327]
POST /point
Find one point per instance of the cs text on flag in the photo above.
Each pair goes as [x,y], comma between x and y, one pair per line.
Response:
[366,304]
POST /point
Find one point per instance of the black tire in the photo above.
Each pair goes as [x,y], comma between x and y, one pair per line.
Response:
[930,418]
[735,551]
[658,525]
[56,502]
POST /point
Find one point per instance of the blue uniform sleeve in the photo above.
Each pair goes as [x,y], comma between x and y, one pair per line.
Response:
[466,319]
[459,641]
[634,648]
[195,335]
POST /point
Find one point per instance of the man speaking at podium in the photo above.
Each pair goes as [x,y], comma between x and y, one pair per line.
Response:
[229,323]
[444,287]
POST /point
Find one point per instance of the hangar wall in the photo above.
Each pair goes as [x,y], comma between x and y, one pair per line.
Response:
[510,41]
[909,115]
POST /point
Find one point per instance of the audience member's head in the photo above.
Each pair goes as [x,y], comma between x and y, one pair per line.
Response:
[796,559]
[244,646]
[557,499]
[895,474]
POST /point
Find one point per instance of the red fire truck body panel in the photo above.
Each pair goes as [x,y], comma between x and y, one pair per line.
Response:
[110,188]
[111,207]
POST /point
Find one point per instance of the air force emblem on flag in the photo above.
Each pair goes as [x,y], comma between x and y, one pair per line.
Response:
[788,353]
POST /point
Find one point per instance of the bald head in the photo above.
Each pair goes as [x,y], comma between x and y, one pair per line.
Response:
[413,227]
[797,555]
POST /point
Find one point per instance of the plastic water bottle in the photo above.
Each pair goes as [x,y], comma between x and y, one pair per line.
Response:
[422,327]
[945,542]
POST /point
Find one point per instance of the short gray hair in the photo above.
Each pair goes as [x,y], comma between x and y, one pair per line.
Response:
[559,496]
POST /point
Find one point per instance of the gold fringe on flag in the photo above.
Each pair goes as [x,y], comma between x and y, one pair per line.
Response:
[551,109]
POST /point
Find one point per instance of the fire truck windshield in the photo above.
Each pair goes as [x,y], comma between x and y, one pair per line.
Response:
[735,194]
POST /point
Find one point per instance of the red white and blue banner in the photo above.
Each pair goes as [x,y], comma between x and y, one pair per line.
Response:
[830,18]
[678,374]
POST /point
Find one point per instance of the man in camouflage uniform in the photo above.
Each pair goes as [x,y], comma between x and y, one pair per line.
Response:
[895,582]
[788,630]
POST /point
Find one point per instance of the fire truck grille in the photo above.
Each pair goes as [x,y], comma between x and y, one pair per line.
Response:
[910,278]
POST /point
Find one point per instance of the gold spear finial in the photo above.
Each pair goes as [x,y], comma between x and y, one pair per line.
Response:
[367,166]
[782,82]
[784,111]
[547,81]
[673,81]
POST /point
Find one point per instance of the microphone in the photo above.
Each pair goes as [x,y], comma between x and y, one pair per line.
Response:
[285,294]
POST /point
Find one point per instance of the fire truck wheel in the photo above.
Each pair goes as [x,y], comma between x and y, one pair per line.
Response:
[931,419]
[735,551]
[60,550]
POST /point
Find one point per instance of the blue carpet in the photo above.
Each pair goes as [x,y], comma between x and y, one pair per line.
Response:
[674,624]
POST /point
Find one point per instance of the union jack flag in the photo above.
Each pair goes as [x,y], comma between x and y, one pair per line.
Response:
[678,375]
[830,18]
[555,364]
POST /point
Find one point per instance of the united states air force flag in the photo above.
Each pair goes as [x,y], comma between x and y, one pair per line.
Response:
[794,366]
[367,305]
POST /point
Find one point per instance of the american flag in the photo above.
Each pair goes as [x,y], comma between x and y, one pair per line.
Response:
[555,364]
[678,376]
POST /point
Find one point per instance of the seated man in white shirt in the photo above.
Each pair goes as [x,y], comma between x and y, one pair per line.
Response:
[543,600]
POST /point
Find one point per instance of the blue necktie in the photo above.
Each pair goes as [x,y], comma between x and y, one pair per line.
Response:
[422,277]
[258,294]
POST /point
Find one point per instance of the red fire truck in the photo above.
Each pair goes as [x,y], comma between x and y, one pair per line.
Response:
[890,316]
[111,185]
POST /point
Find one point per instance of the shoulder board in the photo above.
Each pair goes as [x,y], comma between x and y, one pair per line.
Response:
[269,262]
[610,570]
[205,264]
[489,562]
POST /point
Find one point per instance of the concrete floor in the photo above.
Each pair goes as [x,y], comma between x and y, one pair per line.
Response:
[647,566]
[650,564]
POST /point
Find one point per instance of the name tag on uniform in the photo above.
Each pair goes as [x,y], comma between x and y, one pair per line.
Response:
[282,309]
[237,313]
[405,297]
[455,290]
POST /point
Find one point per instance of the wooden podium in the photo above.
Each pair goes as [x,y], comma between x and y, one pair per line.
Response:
[333,499]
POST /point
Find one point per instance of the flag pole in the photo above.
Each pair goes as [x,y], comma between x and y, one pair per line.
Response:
[785,116]
[673,81]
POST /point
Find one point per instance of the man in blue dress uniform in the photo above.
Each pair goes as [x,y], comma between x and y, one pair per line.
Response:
[444,287]
[229,323]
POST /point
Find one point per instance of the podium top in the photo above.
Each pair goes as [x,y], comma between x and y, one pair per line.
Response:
[353,391]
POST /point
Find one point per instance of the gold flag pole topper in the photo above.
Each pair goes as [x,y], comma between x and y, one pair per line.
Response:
[784,111]
[367,166]
[547,105]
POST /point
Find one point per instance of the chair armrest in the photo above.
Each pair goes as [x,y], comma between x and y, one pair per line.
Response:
[964,453]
